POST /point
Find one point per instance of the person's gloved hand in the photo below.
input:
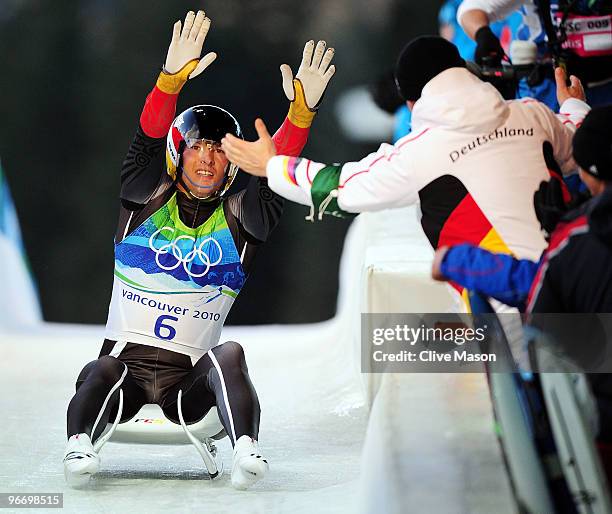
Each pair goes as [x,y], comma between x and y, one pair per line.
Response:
[489,51]
[549,204]
[306,89]
[312,77]
[186,47]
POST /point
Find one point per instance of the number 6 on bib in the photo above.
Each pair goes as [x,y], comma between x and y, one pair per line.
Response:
[159,325]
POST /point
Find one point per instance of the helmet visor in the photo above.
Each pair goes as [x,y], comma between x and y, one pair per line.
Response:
[204,122]
[197,144]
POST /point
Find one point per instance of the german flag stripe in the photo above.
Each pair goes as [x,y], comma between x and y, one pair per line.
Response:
[289,166]
[468,224]
[158,113]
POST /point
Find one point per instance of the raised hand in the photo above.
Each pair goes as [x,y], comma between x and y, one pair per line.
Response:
[251,157]
[314,73]
[574,90]
[489,51]
[186,45]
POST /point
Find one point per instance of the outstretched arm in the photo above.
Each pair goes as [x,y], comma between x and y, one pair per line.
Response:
[258,208]
[142,170]
[561,127]
[383,179]
[473,15]
[500,276]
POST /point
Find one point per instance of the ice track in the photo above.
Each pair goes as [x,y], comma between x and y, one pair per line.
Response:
[337,441]
[313,424]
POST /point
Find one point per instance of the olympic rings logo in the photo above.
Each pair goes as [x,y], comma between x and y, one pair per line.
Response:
[187,260]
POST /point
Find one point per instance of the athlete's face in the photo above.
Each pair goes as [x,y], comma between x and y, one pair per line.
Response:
[204,166]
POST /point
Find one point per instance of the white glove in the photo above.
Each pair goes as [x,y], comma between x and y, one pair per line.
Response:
[314,73]
[186,45]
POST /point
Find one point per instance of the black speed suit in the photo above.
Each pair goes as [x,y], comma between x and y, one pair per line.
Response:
[148,374]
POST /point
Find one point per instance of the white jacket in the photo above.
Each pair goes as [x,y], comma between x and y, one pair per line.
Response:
[496,9]
[473,160]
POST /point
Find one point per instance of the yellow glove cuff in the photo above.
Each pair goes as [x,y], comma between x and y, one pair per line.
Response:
[299,112]
[172,83]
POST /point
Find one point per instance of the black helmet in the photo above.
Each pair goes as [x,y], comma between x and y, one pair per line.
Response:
[420,61]
[593,143]
[199,122]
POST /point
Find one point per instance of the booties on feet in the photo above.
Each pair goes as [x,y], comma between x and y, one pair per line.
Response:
[249,466]
[80,460]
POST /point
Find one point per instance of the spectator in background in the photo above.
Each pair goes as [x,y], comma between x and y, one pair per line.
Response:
[450,29]
[560,29]
[473,160]
[384,90]
[574,274]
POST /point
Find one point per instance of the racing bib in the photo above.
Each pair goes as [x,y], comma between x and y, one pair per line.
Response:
[587,36]
[174,285]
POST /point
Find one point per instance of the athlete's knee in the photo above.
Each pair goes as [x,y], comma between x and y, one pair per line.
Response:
[230,353]
[108,370]
[85,372]
[104,369]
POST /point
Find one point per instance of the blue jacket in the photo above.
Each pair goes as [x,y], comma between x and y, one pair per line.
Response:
[497,275]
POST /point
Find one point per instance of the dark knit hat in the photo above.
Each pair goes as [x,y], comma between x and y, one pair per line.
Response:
[421,60]
[593,143]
